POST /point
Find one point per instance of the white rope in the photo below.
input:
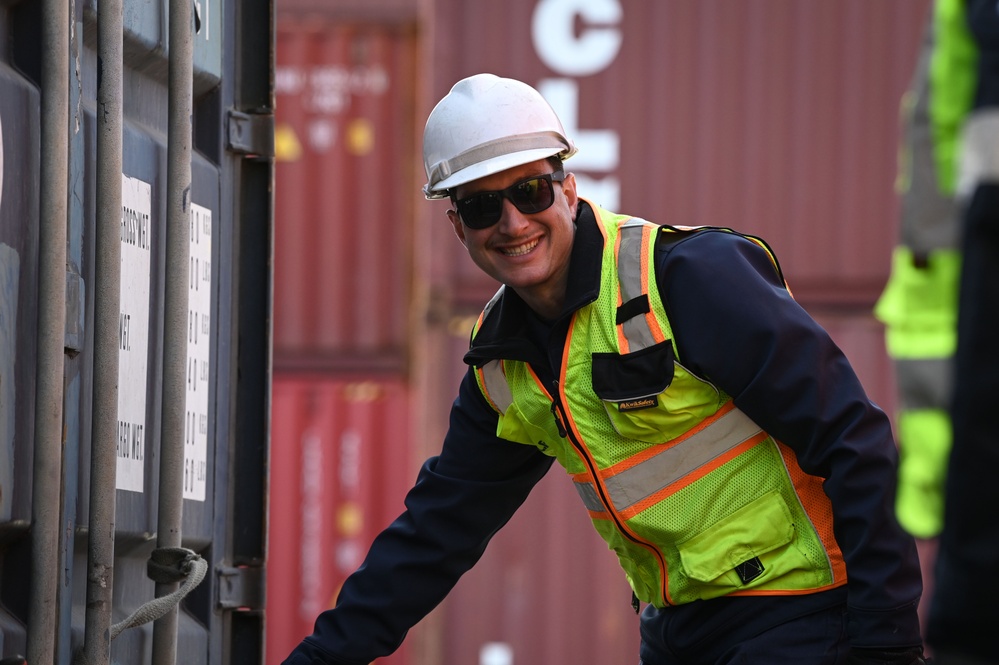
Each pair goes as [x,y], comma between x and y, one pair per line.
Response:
[194,567]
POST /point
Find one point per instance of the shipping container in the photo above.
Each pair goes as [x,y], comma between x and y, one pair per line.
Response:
[343,201]
[775,117]
[342,462]
[135,243]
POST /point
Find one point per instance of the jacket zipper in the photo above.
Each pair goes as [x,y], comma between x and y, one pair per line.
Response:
[561,417]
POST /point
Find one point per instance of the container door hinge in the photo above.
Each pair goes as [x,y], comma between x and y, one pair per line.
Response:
[251,133]
[241,587]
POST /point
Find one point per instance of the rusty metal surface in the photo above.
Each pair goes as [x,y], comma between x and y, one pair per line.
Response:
[341,463]
[343,219]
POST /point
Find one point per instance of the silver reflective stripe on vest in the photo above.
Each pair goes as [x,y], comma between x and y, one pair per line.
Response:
[641,481]
[924,383]
[493,377]
[588,493]
[497,388]
[629,267]
[492,302]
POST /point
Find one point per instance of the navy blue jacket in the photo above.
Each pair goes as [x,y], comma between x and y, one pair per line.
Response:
[736,326]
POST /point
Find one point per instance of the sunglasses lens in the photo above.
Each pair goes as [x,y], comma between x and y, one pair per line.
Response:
[481,211]
[532,195]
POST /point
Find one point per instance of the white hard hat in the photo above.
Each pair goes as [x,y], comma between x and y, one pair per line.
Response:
[485,125]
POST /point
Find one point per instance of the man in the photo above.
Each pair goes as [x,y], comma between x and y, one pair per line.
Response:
[719,440]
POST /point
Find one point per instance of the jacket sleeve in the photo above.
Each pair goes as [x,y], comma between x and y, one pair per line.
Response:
[460,499]
[736,325]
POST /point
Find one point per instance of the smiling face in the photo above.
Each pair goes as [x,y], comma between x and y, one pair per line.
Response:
[527,252]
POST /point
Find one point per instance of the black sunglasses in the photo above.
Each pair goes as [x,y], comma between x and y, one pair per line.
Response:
[531,195]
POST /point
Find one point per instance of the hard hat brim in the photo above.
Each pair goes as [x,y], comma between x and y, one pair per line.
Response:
[489,167]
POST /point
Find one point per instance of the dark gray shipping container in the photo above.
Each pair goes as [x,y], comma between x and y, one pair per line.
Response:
[153,280]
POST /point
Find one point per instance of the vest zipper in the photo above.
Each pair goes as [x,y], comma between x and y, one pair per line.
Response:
[560,415]
[556,413]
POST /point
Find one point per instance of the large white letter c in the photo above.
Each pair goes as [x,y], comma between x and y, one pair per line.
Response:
[555,40]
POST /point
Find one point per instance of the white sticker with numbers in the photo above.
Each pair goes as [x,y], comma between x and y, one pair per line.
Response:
[133,332]
[199,328]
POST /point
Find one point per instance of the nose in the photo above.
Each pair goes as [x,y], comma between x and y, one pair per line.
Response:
[512,220]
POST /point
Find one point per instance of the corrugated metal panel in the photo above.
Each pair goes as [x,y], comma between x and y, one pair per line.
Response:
[138,476]
[19,231]
[340,467]
[383,11]
[217,448]
[776,117]
[344,194]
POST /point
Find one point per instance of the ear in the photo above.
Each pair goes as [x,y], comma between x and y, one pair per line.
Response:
[569,191]
[459,229]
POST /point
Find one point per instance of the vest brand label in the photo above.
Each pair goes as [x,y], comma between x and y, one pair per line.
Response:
[639,404]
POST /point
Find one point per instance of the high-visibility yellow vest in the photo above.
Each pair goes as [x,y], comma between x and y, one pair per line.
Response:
[696,500]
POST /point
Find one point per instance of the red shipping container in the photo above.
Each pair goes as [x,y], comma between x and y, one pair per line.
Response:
[775,117]
[341,463]
[344,193]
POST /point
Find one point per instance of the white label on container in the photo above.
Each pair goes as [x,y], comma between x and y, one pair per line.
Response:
[199,338]
[133,332]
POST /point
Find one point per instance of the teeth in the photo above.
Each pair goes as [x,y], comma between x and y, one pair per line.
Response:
[521,250]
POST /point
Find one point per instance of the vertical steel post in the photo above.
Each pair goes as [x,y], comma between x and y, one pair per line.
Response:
[46,498]
[107,296]
[179,139]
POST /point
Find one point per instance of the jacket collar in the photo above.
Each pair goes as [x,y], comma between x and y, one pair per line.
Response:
[503,332]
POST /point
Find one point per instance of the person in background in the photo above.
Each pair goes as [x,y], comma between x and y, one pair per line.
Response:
[919,303]
[718,439]
[963,612]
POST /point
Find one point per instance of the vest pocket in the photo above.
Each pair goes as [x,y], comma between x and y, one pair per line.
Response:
[623,377]
[648,396]
[750,548]
[515,426]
